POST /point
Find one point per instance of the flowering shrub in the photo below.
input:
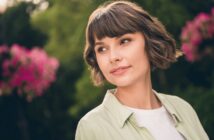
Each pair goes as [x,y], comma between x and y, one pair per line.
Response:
[198,36]
[27,72]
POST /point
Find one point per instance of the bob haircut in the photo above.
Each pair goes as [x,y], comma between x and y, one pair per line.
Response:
[117,18]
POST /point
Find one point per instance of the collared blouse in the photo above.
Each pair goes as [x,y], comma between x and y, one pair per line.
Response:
[113,121]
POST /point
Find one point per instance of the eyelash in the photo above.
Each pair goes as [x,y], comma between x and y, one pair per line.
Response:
[122,40]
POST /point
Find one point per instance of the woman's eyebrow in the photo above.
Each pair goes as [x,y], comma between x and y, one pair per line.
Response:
[98,43]
[124,35]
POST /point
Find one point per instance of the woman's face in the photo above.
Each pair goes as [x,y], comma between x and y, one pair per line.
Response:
[123,60]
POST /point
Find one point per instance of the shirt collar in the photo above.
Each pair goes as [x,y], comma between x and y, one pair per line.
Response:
[121,113]
[169,107]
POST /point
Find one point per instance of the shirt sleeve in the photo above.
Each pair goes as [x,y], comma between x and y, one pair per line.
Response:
[190,116]
[198,128]
[83,132]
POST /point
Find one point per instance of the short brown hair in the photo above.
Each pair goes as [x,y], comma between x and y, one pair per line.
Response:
[120,17]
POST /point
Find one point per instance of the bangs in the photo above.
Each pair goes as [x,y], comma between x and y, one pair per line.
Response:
[112,24]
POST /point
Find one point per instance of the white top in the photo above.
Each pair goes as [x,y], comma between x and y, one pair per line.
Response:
[158,122]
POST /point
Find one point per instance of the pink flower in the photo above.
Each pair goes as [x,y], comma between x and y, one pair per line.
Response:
[6,68]
[3,49]
[191,32]
[200,19]
[195,37]
[188,51]
[31,72]
[195,32]
[19,54]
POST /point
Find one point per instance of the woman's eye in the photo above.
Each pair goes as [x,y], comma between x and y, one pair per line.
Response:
[124,41]
[101,49]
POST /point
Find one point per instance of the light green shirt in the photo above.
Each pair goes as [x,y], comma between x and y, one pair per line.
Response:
[113,121]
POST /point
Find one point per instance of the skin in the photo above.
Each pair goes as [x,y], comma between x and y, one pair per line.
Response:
[124,63]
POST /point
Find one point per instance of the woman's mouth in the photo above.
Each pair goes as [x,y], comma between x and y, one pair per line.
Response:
[119,70]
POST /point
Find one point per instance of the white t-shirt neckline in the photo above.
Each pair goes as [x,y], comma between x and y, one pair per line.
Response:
[158,122]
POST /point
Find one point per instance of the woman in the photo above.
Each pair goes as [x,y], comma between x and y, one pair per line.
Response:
[123,44]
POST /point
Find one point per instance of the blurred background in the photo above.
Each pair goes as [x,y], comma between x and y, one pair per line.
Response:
[56,28]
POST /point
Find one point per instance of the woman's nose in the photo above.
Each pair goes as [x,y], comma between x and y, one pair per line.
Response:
[114,56]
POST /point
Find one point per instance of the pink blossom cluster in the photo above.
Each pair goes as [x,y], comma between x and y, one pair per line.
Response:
[29,72]
[195,32]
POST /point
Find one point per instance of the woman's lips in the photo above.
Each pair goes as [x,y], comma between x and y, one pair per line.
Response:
[119,70]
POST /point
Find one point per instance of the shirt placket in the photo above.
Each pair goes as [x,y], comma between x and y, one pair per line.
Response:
[179,128]
[142,131]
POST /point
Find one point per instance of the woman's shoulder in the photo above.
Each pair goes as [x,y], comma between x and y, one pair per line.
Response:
[89,126]
[187,113]
[179,104]
[175,100]
[93,115]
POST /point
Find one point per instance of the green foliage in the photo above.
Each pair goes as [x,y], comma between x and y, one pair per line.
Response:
[172,14]
[85,99]
[65,25]
[15,27]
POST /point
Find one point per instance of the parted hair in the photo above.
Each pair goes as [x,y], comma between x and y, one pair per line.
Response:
[116,18]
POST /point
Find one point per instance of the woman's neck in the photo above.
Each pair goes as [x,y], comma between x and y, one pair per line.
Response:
[139,95]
